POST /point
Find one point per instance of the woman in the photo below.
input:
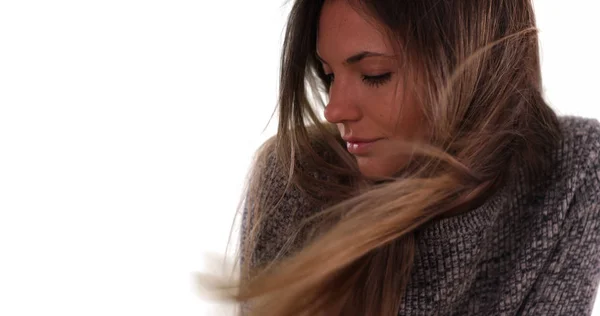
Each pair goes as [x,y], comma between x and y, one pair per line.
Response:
[439,183]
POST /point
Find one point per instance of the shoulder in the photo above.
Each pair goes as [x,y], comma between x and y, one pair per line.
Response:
[311,170]
[270,184]
[269,206]
[571,185]
[275,206]
[564,224]
[271,171]
[267,168]
[575,180]
[579,152]
[581,135]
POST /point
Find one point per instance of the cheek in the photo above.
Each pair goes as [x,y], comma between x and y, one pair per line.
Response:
[398,119]
[406,116]
[409,125]
[394,114]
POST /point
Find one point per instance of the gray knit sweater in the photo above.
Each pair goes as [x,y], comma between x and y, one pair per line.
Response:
[525,251]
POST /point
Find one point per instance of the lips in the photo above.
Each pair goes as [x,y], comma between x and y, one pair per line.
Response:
[359,146]
[360,140]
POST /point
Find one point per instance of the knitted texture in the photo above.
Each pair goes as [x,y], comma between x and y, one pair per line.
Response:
[528,250]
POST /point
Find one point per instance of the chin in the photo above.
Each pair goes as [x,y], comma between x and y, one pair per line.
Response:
[373,168]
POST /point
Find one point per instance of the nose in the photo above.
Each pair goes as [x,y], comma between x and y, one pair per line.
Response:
[342,106]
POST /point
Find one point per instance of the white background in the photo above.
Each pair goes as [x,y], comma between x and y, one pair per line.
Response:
[126,128]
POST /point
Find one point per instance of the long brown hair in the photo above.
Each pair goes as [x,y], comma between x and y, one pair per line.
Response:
[478,65]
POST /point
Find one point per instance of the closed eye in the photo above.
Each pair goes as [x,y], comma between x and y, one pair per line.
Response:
[374,81]
[377,81]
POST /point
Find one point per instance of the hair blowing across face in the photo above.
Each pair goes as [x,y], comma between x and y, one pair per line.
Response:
[479,67]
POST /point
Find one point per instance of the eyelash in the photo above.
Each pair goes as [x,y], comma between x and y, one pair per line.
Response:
[374,81]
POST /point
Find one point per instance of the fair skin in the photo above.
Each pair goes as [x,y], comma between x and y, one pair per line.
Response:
[368,100]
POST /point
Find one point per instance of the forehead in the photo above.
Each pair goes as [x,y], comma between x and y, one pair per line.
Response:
[343,32]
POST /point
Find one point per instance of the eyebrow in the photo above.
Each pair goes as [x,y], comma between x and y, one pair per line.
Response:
[354,58]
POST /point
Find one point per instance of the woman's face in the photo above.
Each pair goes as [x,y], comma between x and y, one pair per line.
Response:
[367,99]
